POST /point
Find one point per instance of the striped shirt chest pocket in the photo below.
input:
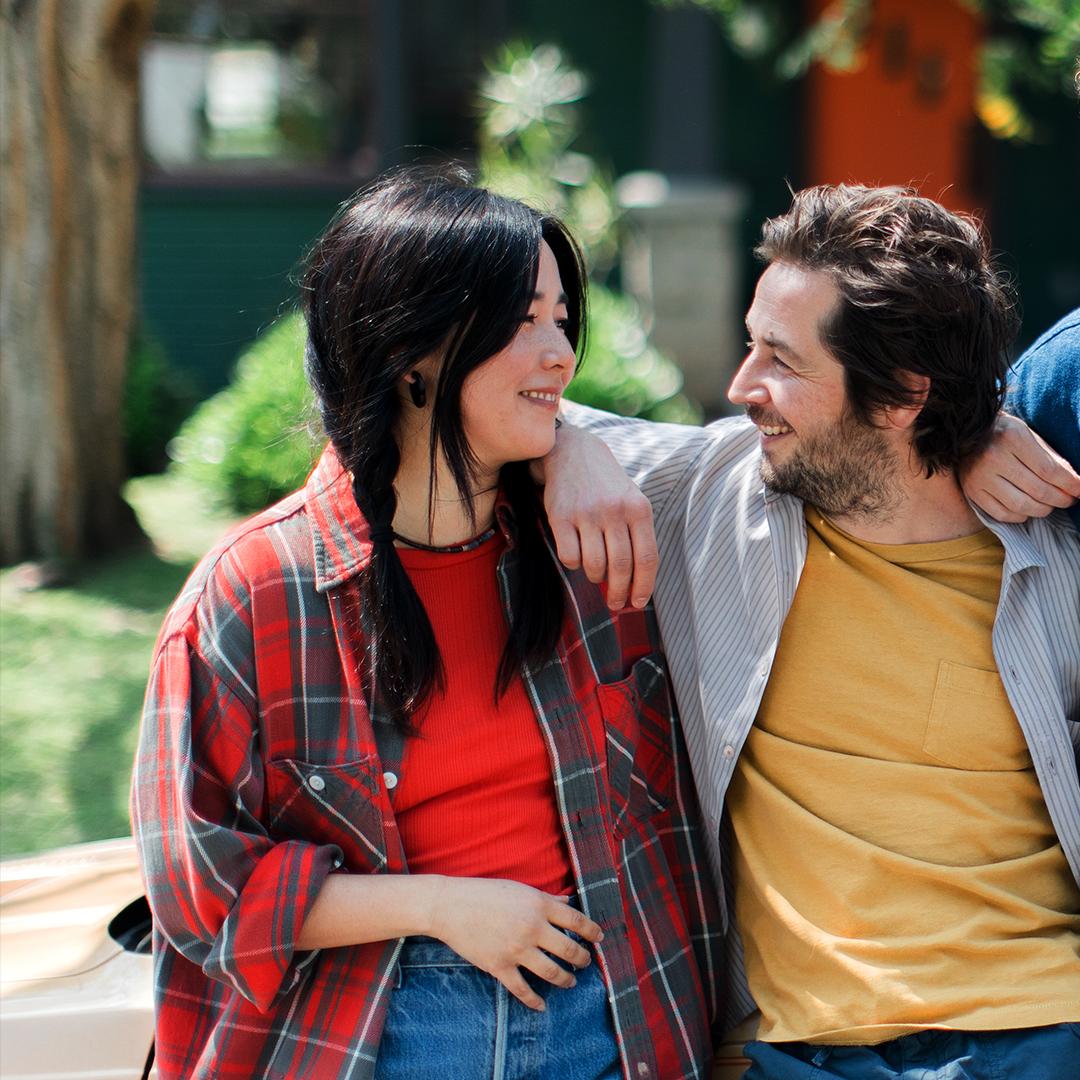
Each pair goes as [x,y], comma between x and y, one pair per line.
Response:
[328,804]
[638,721]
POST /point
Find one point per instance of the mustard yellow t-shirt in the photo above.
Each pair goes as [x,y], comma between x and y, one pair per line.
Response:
[896,867]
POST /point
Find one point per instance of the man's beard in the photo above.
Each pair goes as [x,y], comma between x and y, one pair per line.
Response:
[847,470]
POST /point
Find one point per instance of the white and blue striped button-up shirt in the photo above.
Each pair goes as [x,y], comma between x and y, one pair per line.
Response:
[731,557]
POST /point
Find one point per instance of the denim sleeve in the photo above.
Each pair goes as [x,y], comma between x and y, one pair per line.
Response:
[1044,390]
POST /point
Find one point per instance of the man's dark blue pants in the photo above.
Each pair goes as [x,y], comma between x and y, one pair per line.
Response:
[1043,1053]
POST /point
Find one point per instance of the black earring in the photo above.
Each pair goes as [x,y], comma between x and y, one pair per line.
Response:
[417,390]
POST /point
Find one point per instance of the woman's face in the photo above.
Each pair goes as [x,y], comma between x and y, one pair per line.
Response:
[509,403]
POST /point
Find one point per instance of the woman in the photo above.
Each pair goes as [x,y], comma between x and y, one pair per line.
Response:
[408,797]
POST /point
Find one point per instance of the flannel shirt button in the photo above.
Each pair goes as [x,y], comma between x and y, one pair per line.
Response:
[643,1069]
[390,780]
[316,783]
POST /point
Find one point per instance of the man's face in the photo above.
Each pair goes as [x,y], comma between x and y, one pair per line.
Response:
[793,389]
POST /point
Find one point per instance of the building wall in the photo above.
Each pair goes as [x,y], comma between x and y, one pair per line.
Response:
[216,256]
[217,266]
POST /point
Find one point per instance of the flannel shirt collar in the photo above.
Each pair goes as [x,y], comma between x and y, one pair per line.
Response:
[340,532]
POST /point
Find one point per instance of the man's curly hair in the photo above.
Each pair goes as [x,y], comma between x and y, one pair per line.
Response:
[919,294]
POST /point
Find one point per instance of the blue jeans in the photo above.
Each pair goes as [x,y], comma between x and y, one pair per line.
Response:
[1043,1053]
[448,1019]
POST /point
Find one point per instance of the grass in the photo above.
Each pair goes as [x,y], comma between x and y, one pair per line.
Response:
[73,667]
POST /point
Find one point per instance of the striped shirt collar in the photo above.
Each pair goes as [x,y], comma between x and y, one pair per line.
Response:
[1020,552]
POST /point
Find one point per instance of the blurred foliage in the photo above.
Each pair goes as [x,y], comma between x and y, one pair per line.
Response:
[1032,51]
[622,372]
[1029,51]
[157,398]
[247,445]
[530,121]
[250,444]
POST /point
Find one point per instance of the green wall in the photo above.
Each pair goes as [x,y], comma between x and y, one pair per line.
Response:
[218,265]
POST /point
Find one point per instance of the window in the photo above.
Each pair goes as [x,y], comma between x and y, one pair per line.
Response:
[260,84]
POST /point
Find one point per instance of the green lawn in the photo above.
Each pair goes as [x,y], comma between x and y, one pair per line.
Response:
[73,667]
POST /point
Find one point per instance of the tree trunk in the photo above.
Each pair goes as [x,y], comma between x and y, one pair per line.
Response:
[69,154]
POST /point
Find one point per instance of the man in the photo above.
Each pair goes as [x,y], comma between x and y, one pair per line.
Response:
[879,686]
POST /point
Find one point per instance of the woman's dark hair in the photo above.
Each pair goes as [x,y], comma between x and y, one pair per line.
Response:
[423,263]
[918,293]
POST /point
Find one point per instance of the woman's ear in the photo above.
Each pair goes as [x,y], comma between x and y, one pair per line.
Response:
[417,388]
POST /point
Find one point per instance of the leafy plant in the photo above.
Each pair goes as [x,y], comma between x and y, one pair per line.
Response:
[622,372]
[249,444]
[157,398]
[530,123]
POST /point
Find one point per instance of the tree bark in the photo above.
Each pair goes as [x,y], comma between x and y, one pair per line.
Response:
[69,156]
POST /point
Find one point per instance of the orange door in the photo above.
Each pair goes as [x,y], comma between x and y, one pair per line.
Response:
[905,114]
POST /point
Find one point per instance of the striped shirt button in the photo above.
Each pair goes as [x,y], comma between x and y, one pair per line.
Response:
[390,780]
[316,783]
[728,751]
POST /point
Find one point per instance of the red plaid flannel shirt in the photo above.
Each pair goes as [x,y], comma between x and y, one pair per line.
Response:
[258,774]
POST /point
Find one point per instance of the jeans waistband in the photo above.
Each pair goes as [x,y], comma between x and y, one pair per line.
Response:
[429,952]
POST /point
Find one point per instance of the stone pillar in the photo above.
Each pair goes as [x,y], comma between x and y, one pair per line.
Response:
[681,262]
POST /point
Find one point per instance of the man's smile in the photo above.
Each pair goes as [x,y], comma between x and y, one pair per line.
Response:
[769,427]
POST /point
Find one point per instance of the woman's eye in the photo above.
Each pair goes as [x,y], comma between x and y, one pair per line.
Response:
[563,324]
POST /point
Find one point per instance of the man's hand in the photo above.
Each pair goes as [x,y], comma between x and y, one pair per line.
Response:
[503,926]
[1018,476]
[599,519]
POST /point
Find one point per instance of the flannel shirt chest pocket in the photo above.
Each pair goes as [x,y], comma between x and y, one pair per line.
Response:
[329,804]
[638,720]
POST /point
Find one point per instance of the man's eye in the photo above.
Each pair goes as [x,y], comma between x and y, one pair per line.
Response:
[780,363]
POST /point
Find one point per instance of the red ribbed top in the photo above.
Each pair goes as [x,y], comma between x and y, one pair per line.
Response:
[475,797]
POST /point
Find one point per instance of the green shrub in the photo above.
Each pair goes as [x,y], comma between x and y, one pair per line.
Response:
[254,441]
[157,398]
[622,372]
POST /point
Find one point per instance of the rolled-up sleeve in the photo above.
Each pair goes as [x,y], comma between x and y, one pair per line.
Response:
[222,891]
